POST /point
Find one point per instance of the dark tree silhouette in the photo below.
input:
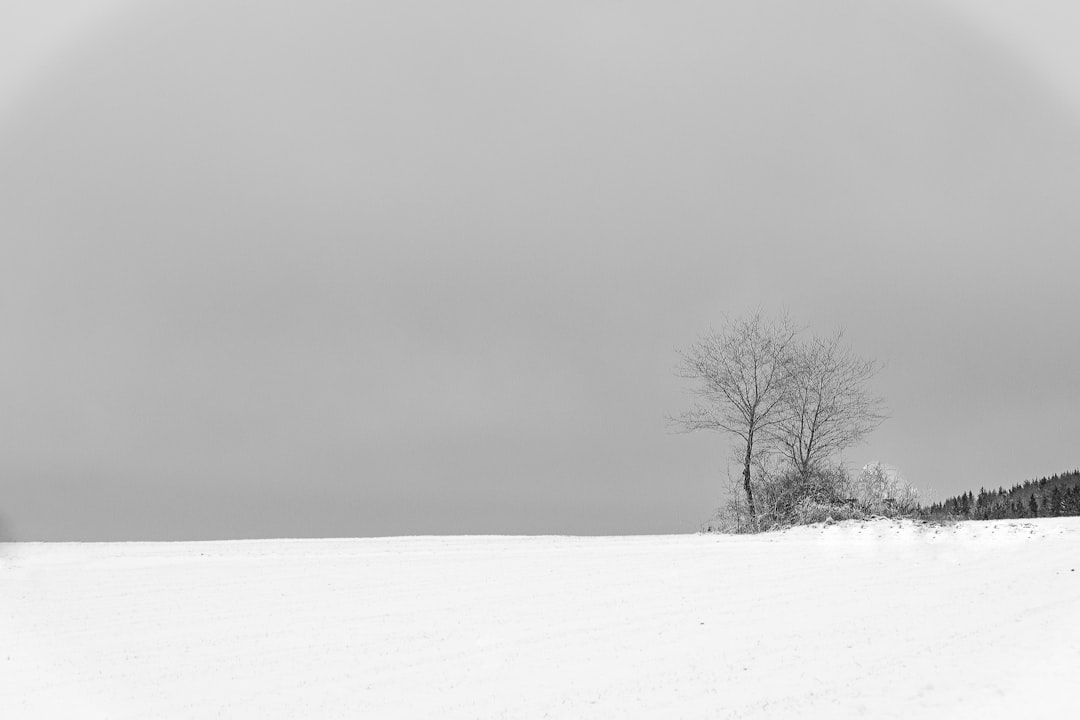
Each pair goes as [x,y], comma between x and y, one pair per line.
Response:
[1055,496]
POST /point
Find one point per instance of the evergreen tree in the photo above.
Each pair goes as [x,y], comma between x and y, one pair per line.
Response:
[1055,502]
[1053,496]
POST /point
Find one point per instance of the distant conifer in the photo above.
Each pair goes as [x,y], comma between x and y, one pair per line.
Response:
[1055,502]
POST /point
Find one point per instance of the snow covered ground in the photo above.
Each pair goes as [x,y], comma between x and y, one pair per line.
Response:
[881,619]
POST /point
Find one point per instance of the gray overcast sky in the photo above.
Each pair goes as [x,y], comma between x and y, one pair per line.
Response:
[334,269]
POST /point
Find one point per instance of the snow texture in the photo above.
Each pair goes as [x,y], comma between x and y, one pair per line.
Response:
[880,619]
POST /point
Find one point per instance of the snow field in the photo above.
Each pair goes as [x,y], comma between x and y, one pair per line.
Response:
[881,619]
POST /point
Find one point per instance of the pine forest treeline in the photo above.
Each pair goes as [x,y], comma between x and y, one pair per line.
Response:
[1055,496]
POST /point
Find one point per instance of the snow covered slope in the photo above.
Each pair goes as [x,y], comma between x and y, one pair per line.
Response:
[883,620]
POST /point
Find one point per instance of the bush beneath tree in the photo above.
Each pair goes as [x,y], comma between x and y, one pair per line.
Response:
[787,498]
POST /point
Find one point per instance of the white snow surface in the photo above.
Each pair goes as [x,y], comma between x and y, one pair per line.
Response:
[879,619]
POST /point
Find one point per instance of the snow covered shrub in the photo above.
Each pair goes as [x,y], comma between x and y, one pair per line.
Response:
[729,520]
[881,490]
[786,497]
[733,517]
[789,497]
[809,512]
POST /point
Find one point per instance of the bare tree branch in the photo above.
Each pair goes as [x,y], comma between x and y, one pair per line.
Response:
[828,406]
[739,377]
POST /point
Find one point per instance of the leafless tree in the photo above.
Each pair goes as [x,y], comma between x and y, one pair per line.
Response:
[827,405]
[740,376]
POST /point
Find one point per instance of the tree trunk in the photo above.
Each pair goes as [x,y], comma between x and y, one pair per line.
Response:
[746,482]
